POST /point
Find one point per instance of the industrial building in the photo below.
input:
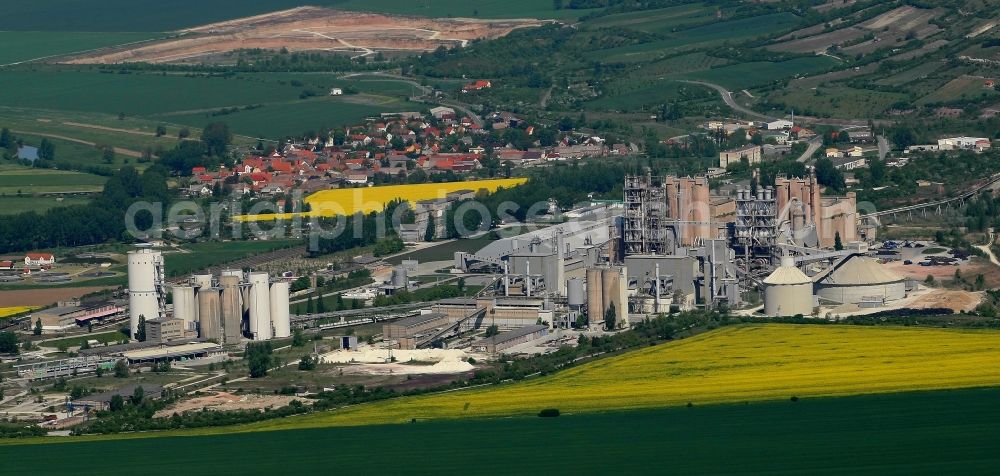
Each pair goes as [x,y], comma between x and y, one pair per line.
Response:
[506,340]
[102,401]
[235,306]
[409,332]
[67,315]
[671,245]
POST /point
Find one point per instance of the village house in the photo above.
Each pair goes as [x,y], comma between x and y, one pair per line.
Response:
[39,260]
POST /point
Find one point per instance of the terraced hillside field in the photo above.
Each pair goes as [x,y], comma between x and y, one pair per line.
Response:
[734,364]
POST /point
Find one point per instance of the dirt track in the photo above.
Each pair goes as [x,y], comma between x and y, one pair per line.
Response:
[311,29]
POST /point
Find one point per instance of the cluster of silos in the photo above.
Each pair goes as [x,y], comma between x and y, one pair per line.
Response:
[788,291]
[145,286]
[219,309]
[606,288]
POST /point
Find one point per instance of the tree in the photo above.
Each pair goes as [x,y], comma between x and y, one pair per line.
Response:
[108,155]
[161,131]
[492,331]
[99,371]
[258,356]
[117,403]
[121,369]
[217,137]
[310,307]
[827,174]
[307,363]
[930,280]
[38,328]
[461,284]
[140,332]
[8,343]
[320,302]
[429,232]
[609,318]
[184,133]
[138,394]
[46,150]
[298,338]
[837,244]
[980,282]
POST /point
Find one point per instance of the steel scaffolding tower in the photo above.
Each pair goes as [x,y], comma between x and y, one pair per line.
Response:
[755,229]
[644,229]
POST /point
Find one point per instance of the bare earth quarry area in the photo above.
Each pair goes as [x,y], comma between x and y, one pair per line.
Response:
[309,29]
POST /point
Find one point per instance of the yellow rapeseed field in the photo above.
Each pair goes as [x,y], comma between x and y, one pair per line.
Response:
[347,201]
[732,364]
[10,311]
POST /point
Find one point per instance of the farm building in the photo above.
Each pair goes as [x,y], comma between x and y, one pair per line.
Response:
[511,338]
[38,260]
[858,278]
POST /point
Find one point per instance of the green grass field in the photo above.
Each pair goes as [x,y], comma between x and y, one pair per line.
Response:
[203,255]
[295,117]
[444,251]
[269,105]
[16,178]
[747,75]
[699,37]
[659,21]
[135,94]
[17,46]
[14,205]
[103,337]
[952,432]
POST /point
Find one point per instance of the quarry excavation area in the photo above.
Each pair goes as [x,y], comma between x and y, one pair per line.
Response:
[310,29]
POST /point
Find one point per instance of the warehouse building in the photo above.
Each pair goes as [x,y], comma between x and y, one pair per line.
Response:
[70,315]
[187,351]
[859,279]
[102,401]
[511,313]
[506,340]
[408,331]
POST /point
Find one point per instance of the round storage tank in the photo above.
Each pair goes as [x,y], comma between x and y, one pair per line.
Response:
[209,313]
[595,294]
[202,280]
[232,308]
[574,292]
[280,318]
[143,296]
[399,278]
[860,278]
[788,291]
[259,297]
[185,305]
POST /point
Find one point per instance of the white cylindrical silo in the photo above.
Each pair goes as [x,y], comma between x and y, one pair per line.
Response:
[280,318]
[259,297]
[185,305]
[574,293]
[788,291]
[209,310]
[143,294]
[202,280]
[399,277]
